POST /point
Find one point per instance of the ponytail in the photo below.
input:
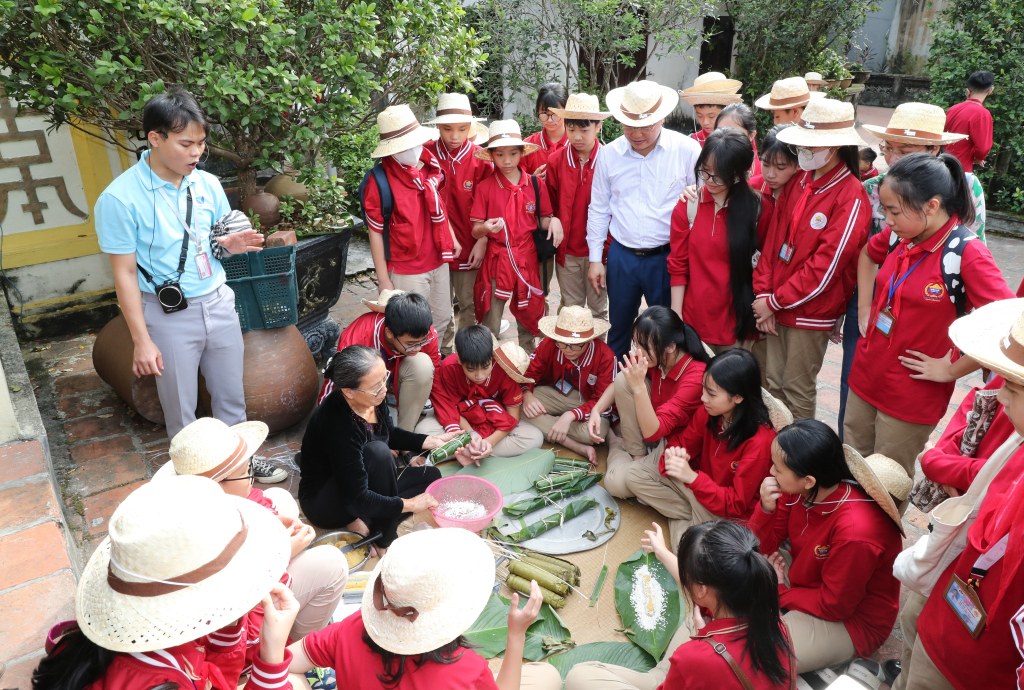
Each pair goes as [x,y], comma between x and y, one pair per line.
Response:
[74,664]
[920,177]
[962,201]
[658,327]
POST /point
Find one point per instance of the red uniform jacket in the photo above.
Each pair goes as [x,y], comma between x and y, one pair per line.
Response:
[700,136]
[538,158]
[868,174]
[568,181]
[368,330]
[482,406]
[825,223]
[842,561]
[973,119]
[589,375]
[462,172]
[675,397]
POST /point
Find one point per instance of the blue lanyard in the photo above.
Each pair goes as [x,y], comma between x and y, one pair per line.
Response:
[892,287]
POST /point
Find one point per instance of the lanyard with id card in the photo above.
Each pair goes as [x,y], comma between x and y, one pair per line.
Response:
[202,258]
[885,320]
[963,597]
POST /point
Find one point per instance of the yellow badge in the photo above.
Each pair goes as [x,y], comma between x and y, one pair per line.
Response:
[818,221]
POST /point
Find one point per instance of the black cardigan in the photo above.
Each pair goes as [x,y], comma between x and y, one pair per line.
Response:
[332,448]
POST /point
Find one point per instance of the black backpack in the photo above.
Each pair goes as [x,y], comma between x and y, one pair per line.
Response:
[387,202]
[545,247]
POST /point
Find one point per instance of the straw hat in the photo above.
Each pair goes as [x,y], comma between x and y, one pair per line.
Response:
[210,448]
[814,79]
[514,360]
[825,122]
[883,479]
[573,325]
[695,98]
[993,336]
[642,103]
[453,109]
[181,559]
[786,93]
[479,134]
[504,133]
[917,123]
[581,106]
[778,413]
[382,300]
[427,590]
[400,131]
[712,88]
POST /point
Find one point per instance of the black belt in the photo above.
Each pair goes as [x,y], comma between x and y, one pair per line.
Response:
[644,253]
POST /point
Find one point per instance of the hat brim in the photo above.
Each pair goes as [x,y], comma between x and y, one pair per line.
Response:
[417,137]
[979,334]
[123,623]
[872,485]
[454,120]
[717,86]
[479,133]
[801,136]
[764,103]
[669,101]
[946,139]
[253,434]
[373,306]
[483,154]
[547,327]
[694,98]
[511,370]
[778,413]
[578,114]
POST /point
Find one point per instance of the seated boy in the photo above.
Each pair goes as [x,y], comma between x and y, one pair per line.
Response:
[471,394]
[398,326]
[572,370]
[507,207]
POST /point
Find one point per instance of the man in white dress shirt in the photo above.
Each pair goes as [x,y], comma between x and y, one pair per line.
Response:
[637,180]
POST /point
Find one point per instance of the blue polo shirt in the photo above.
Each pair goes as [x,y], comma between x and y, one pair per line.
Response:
[132,216]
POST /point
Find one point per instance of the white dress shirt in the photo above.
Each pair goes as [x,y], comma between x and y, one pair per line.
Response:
[633,195]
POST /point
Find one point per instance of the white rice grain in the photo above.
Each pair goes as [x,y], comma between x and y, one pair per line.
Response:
[462,510]
[648,600]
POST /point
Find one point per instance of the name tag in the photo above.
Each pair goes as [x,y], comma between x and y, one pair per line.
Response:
[786,253]
[203,264]
[563,386]
[885,322]
[966,605]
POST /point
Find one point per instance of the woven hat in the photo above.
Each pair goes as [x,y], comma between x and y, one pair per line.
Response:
[453,109]
[993,336]
[695,98]
[573,325]
[428,589]
[778,413]
[642,103]
[400,131]
[814,79]
[514,360]
[712,88]
[824,122]
[181,559]
[210,448]
[504,133]
[882,478]
[917,123]
[786,93]
[479,134]
[581,106]
[382,300]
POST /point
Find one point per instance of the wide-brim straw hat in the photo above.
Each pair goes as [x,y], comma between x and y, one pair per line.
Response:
[814,78]
[453,109]
[514,360]
[642,103]
[695,98]
[581,106]
[210,448]
[443,575]
[479,134]
[785,93]
[503,133]
[714,82]
[917,123]
[573,325]
[824,122]
[400,131]
[382,300]
[993,336]
[181,559]
[778,413]
[883,479]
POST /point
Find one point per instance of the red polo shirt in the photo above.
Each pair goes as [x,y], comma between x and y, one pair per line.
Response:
[491,200]
[462,173]
[484,407]
[675,397]
[540,157]
[973,119]
[700,136]
[589,375]
[868,174]
[923,313]
[568,181]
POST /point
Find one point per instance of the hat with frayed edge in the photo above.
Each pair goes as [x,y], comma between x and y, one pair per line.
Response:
[514,360]
[786,93]
[581,106]
[778,413]
[883,479]
[453,109]
[917,123]
[642,103]
[824,122]
[382,300]
[993,336]
[503,133]
[400,131]
[573,325]
[695,98]
[479,134]
[210,448]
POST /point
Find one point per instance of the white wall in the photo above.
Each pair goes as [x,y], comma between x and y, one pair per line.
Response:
[62,279]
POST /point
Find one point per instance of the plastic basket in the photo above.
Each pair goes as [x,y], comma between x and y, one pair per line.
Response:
[266,292]
[465,488]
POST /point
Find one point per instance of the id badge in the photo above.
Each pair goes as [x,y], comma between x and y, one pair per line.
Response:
[563,386]
[966,605]
[786,252]
[885,322]
[203,264]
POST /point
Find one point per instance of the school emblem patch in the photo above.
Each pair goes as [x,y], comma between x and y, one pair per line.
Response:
[934,292]
[819,220]
[531,207]
[821,552]
[468,185]
[592,380]
[734,464]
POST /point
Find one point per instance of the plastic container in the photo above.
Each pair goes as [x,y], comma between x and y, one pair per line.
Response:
[465,488]
[266,292]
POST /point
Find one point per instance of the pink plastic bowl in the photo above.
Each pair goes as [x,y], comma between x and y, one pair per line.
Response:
[465,488]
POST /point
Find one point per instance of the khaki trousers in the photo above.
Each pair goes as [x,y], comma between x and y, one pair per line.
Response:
[318,582]
[908,627]
[818,643]
[539,675]
[923,674]
[415,379]
[492,319]
[758,348]
[576,289]
[436,287]
[462,288]
[557,404]
[794,360]
[597,675]
[522,438]
[632,438]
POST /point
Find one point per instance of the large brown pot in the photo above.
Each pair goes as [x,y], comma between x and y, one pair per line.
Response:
[112,356]
[283,184]
[266,206]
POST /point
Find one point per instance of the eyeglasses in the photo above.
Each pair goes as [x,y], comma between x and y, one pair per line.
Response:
[629,128]
[708,177]
[383,386]
[416,346]
[546,116]
[247,477]
[571,347]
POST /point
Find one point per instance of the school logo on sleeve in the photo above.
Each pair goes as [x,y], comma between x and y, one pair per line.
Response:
[468,185]
[733,465]
[821,552]
[934,292]
[819,220]
[592,380]
[531,206]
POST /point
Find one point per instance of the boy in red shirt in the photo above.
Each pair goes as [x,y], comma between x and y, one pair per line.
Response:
[787,100]
[708,96]
[973,119]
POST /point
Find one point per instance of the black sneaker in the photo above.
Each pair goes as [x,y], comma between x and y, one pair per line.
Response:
[267,473]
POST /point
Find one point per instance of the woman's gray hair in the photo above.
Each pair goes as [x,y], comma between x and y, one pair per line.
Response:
[347,368]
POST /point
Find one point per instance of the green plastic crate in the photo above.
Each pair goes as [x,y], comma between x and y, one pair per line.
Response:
[266,292]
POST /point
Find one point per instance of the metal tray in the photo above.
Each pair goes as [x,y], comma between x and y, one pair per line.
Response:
[569,537]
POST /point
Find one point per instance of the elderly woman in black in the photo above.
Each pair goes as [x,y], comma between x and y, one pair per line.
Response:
[350,479]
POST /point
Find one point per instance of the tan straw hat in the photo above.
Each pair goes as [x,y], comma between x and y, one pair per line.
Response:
[453,109]
[504,133]
[400,131]
[573,325]
[712,88]
[181,559]
[786,93]
[642,103]
[210,448]
[917,123]
[428,589]
[778,413]
[581,106]
[514,360]
[825,122]
[814,79]
[479,134]
[695,98]
[382,300]
[883,479]
[993,336]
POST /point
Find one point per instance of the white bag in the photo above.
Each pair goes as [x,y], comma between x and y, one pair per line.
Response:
[920,566]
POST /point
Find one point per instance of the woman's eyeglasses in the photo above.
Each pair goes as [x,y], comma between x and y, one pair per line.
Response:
[708,177]
[381,389]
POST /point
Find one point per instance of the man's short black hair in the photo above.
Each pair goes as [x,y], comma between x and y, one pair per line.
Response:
[868,155]
[582,124]
[408,314]
[980,81]
[172,111]
[474,346]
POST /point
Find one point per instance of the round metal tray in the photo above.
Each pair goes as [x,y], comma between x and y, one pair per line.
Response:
[569,537]
[331,539]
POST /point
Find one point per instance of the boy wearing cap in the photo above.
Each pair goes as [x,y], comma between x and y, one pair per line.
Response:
[974,120]
[708,96]
[787,100]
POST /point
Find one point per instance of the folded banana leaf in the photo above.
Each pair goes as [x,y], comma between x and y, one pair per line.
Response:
[572,510]
[552,481]
[528,505]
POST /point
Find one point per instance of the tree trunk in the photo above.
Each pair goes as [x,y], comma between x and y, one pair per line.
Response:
[246,182]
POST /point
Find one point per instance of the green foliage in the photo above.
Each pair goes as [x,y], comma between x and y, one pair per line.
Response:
[510,475]
[972,35]
[831,65]
[350,154]
[489,633]
[615,653]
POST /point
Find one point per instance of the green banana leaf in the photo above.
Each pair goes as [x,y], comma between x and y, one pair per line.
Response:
[654,641]
[616,653]
[548,625]
[574,509]
[490,631]
[528,505]
[510,475]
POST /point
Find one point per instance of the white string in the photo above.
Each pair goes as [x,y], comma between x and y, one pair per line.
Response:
[511,258]
[148,579]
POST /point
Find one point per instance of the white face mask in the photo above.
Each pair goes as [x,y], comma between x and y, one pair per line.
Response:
[408,158]
[809,160]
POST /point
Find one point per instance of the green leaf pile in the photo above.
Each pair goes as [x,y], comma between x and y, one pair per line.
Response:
[617,653]
[490,631]
[510,475]
[653,641]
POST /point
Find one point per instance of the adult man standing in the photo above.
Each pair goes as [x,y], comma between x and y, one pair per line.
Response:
[637,181]
[973,119]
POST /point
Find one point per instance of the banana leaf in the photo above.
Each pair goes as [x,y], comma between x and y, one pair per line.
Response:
[616,653]
[654,640]
[510,475]
[490,631]
[549,629]
[574,509]
[528,505]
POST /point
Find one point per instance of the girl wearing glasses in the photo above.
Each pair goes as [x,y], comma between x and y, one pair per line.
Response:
[552,136]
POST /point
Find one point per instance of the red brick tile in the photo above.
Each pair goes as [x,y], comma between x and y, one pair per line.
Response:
[30,612]
[99,449]
[19,676]
[32,553]
[72,384]
[27,503]
[916,518]
[21,460]
[148,432]
[105,473]
[82,405]
[102,426]
[100,507]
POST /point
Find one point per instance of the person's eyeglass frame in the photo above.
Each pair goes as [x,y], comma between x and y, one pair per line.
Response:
[416,346]
[708,177]
[571,347]
[251,476]
[548,116]
[383,386]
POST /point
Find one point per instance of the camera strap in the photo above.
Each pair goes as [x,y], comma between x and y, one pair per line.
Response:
[187,222]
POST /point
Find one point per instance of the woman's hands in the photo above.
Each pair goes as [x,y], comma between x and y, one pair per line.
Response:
[765,316]
[280,607]
[929,368]
[779,563]
[770,494]
[555,231]
[635,368]
[654,541]
[519,619]
[677,465]
[432,442]
[418,504]
[299,533]
[532,406]
[594,426]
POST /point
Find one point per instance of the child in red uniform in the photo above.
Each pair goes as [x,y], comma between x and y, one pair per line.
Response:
[779,166]
[572,370]
[867,164]
[787,100]
[710,93]
[806,274]
[471,394]
[506,210]
[552,136]
[973,119]
[741,117]
[902,379]
[844,533]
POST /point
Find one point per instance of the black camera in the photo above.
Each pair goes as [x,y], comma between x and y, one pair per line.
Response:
[171,297]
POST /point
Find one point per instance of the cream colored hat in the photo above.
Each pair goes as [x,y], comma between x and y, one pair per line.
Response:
[514,360]
[786,93]
[993,336]
[382,300]
[778,413]
[400,131]
[504,133]
[453,109]
[825,122]
[181,559]
[695,98]
[642,103]
[428,589]
[210,448]
[882,478]
[814,79]
[581,106]
[479,134]
[573,325]
[714,82]
[917,123]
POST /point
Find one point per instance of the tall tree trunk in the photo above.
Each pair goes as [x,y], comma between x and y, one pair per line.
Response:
[246,182]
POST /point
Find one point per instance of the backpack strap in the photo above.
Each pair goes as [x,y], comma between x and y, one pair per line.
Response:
[536,199]
[741,676]
[691,210]
[954,247]
[387,202]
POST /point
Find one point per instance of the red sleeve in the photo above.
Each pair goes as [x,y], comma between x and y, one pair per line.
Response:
[692,438]
[227,648]
[734,500]
[478,213]
[763,283]
[944,464]
[545,199]
[323,647]
[432,349]
[983,280]
[844,579]
[878,246]
[444,396]
[270,676]
[511,392]
[679,238]
[540,362]
[371,206]
[676,412]
[980,131]
[772,528]
[604,369]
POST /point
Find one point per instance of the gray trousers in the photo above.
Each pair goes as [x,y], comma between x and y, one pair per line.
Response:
[204,336]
